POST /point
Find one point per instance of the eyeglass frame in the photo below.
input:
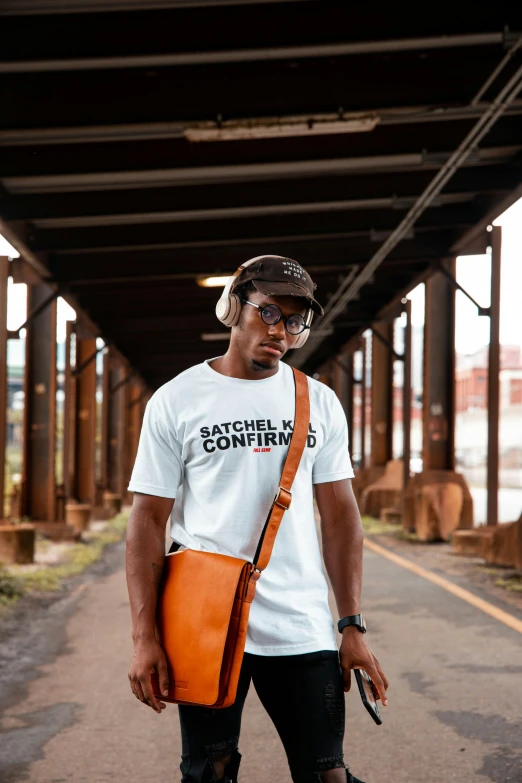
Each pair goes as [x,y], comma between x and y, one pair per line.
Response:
[282,317]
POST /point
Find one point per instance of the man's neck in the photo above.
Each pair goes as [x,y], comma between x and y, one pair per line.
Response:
[235,366]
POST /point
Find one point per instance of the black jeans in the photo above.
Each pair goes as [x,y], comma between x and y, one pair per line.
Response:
[304,697]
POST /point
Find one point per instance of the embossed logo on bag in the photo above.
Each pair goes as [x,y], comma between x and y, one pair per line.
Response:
[181,684]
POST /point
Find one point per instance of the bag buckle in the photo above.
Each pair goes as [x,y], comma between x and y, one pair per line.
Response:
[283,499]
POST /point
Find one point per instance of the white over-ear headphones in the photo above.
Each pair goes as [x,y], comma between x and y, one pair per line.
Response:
[228,307]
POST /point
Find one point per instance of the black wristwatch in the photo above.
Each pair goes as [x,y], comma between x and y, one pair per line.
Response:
[352,619]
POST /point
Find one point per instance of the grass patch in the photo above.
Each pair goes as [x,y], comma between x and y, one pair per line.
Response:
[15,581]
[512,583]
[11,588]
[374,527]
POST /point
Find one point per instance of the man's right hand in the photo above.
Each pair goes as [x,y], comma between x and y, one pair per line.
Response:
[147,659]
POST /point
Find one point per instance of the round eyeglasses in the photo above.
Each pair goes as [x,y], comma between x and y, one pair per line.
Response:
[271,314]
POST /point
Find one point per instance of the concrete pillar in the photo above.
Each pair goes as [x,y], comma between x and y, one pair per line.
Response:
[4,275]
[38,476]
[84,488]
[438,411]
[382,394]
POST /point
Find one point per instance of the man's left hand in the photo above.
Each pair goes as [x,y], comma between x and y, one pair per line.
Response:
[355,653]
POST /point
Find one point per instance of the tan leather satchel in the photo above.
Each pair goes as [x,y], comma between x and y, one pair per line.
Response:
[204,598]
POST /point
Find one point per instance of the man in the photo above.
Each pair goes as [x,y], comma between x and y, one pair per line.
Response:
[214,439]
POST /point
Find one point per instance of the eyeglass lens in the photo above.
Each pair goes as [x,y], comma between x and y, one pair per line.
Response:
[294,324]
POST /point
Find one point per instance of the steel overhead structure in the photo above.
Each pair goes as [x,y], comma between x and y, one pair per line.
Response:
[212,132]
[251,55]
[350,288]
[41,7]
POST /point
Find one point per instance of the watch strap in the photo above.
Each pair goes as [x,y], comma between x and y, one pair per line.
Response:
[352,619]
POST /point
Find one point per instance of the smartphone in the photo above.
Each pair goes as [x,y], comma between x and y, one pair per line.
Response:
[369,694]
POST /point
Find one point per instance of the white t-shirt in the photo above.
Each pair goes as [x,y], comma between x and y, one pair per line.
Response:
[217,444]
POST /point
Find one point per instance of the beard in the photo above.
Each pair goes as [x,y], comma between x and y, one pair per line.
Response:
[261,366]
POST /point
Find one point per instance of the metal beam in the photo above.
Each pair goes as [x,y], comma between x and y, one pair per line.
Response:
[176,276]
[133,428]
[250,172]
[494,379]
[85,440]
[406,398]
[38,475]
[376,331]
[382,395]
[117,378]
[232,213]
[39,7]
[481,310]
[438,410]
[151,131]
[69,413]
[350,288]
[39,268]
[481,226]
[4,276]
[363,400]
[88,360]
[37,310]
[254,55]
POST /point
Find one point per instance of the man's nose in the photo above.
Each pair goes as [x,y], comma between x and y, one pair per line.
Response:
[277,331]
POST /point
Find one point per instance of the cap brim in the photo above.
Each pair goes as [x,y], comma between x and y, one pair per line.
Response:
[287,289]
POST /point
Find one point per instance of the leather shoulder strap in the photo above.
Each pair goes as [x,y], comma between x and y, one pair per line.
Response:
[295,451]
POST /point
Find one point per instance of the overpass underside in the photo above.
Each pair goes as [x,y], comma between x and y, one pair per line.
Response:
[146,145]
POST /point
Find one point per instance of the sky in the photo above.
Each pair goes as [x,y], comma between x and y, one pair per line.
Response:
[473,274]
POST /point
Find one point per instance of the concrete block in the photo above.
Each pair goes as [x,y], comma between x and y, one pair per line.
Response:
[78,515]
[57,531]
[472,543]
[112,503]
[385,492]
[392,516]
[17,543]
[505,548]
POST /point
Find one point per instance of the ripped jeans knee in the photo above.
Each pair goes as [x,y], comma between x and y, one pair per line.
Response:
[210,767]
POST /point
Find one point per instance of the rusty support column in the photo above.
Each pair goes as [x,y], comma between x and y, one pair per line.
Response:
[382,395]
[69,411]
[494,379]
[84,488]
[39,451]
[438,411]
[115,416]
[343,387]
[406,401]
[105,418]
[4,276]
[350,383]
[363,402]
[135,397]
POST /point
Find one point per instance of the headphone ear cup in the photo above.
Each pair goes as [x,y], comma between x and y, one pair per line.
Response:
[235,310]
[302,338]
[228,309]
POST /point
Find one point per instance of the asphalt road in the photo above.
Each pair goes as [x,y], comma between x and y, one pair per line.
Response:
[455,700]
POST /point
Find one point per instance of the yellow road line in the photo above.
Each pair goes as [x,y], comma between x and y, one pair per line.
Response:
[465,595]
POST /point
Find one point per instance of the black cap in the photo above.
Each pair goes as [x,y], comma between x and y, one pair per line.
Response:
[280,276]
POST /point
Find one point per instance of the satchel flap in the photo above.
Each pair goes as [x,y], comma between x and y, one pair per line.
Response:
[194,612]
